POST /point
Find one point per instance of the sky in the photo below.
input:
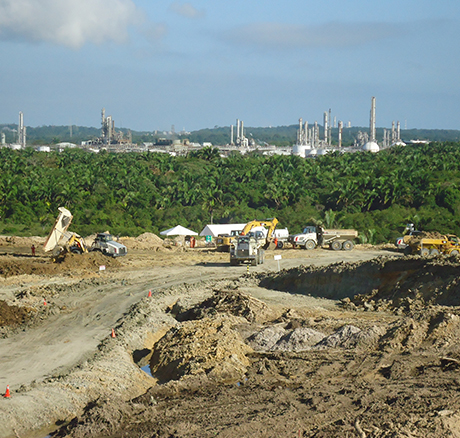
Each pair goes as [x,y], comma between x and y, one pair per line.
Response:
[199,64]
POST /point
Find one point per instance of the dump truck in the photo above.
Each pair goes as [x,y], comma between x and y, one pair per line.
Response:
[409,233]
[248,249]
[104,242]
[61,241]
[431,244]
[315,236]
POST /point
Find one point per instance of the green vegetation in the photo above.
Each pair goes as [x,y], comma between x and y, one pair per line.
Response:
[132,193]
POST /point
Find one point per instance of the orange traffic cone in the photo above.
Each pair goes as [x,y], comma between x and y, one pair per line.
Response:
[150,293]
[113,334]
[44,302]
[7,393]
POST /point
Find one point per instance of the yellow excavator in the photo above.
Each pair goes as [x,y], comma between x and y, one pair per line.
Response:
[269,225]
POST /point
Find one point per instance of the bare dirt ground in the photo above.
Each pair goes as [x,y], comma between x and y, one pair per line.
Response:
[360,343]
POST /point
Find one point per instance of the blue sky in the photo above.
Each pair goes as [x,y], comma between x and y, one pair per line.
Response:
[200,64]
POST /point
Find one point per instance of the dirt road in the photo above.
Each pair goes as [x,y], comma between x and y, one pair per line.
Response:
[70,335]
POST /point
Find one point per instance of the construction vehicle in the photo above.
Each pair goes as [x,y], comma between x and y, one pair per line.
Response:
[315,236]
[426,244]
[104,242]
[248,249]
[61,241]
[224,241]
[262,230]
[409,232]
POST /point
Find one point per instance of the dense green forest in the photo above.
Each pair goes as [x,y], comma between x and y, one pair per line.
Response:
[129,194]
[279,135]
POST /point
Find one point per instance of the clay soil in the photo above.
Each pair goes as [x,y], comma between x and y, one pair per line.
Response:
[175,342]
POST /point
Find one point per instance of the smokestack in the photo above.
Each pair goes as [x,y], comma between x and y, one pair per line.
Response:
[340,133]
[326,129]
[372,121]
[398,132]
[237,130]
[300,133]
[231,135]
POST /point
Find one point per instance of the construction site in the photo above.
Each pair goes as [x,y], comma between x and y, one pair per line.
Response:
[175,341]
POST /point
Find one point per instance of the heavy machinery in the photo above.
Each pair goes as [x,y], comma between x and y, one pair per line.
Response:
[431,244]
[224,241]
[409,232]
[262,230]
[104,242]
[61,241]
[248,249]
[313,237]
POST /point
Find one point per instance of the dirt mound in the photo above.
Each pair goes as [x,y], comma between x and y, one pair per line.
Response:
[21,241]
[144,241]
[89,261]
[72,263]
[230,302]
[203,347]
[431,327]
[14,315]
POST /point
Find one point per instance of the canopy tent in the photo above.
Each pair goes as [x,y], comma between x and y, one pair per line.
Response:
[178,230]
[215,229]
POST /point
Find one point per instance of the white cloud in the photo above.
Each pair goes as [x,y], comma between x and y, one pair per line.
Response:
[186,10]
[70,23]
[281,36]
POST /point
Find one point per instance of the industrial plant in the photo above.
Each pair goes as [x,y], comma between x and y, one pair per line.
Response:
[311,140]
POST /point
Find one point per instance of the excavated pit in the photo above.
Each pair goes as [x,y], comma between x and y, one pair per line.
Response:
[389,281]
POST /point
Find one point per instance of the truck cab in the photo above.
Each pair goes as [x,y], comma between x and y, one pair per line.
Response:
[104,242]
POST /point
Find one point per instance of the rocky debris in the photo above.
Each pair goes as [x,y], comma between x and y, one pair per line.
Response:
[299,339]
[205,346]
[266,339]
[277,338]
[350,337]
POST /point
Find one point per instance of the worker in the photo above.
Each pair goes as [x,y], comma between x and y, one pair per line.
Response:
[33,249]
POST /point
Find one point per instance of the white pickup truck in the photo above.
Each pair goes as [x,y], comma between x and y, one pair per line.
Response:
[312,237]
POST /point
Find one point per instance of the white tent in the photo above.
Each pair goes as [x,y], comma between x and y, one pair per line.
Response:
[215,229]
[178,230]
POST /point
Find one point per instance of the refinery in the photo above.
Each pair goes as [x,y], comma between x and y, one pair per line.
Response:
[311,140]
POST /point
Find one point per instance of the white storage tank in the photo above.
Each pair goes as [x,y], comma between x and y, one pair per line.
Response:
[371,146]
[301,150]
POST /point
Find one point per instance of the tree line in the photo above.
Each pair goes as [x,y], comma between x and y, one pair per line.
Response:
[132,193]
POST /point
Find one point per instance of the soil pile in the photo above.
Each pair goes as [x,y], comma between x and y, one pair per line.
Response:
[11,265]
[230,302]
[21,241]
[145,241]
[14,315]
[206,347]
